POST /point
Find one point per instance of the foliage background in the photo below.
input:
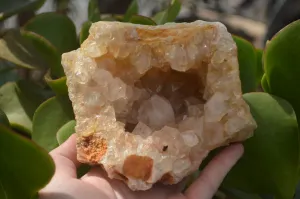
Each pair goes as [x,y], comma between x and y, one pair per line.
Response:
[36,114]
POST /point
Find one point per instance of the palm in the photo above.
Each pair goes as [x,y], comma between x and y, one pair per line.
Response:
[114,189]
[96,185]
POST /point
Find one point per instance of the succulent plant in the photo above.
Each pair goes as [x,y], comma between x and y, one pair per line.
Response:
[36,113]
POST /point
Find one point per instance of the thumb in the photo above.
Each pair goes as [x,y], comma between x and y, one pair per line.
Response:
[213,174]
[65,157]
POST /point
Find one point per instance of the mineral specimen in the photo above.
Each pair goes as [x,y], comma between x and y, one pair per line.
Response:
[151,101]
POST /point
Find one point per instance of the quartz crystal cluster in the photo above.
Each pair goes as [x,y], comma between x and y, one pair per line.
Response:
[152,101]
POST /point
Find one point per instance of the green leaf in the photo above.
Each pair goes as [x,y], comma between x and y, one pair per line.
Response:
[11,7]
[138,19]
[82,170]
[168,15]
[8,72]
[247,64]
[59,85]
[24,166]
[237,194]
[35,196]
[19,100]
[65,131]
[270,162]
[259,69]
[282,65]
[84,33]
[3,119]
[56,28]
[118,17]
[49,118]
[93,11]
[108,18]
[133,9]
[27,50]
[47,51]
[265,84]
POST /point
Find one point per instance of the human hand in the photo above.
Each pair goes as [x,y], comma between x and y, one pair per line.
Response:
[96,185]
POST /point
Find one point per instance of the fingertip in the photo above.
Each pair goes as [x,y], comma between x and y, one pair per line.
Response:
[213,174]
[237,150]
[67,150]
[70,143]
[71,139]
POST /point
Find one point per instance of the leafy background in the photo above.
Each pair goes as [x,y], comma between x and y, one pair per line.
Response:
[36,115]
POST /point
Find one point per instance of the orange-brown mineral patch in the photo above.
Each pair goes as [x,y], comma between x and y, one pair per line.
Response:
[167,178]
[139,167]
[91,149]
[150,36]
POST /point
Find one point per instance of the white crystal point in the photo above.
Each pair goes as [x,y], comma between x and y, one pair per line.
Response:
[156,112]
[190,138]
[151,102]
[216,107]
[170,141]
[116,89]
[142,130]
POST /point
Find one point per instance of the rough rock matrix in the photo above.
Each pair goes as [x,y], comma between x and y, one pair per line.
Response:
[151,101]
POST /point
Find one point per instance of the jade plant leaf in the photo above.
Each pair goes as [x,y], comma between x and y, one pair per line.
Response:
[108,18]
[19,100]
[133,9]
[93,11]
[27,50]
[259,65]
[47,51]
[83,169]
[35,196]
[270,162]
[59,85]
[237,194]
[247,64]
[138,19]
[84,32]
[24,166]
[58,29]
[49,118]
[65,131]
[11,7]
[282,65]
[3,119]
[265,84]
[168,15]
[8,72]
